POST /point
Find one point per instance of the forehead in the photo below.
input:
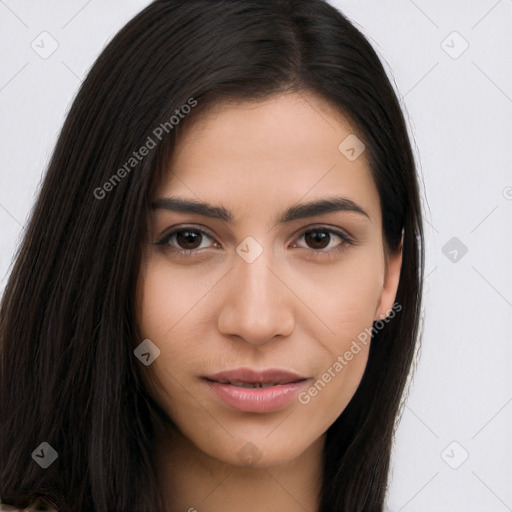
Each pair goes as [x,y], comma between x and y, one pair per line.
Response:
[285,149]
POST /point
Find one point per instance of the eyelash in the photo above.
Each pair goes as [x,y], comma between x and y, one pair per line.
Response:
[193,253]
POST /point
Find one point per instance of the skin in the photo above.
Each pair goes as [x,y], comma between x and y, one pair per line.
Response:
[286,309]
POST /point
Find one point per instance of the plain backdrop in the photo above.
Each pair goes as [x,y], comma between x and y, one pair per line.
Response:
[450,62]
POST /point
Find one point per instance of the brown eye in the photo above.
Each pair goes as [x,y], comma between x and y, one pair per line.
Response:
[324,240]
[188,239]
[317,239]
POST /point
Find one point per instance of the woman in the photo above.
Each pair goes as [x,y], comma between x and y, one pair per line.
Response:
[216,302]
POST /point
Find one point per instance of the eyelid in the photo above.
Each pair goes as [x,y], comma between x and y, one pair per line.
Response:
[343,234]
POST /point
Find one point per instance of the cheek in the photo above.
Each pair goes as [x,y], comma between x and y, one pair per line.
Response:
[166,295]
[168,302]
[345,301]
[344,296]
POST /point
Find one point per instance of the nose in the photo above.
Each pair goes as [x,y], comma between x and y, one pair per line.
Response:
[257,303]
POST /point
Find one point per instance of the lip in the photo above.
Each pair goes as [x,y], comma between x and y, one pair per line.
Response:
[282,387]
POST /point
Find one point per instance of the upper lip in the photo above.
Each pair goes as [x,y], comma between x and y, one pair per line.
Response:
[250,376]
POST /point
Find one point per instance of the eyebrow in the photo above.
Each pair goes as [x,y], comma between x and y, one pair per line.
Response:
[300,211]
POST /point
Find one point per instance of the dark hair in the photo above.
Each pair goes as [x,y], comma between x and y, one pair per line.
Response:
[67,328]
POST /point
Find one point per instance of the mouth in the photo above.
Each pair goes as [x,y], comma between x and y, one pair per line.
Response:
[260,391]
[249,378]
[253,385]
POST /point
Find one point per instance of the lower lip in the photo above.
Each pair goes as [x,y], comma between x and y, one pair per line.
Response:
[257,399]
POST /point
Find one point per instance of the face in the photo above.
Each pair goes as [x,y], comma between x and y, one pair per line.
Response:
[264,288]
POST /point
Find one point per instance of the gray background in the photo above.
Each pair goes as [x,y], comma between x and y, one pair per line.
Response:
[458,102]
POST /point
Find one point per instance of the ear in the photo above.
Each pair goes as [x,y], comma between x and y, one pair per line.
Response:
[393,267]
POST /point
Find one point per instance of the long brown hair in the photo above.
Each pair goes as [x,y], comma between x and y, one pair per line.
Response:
[67,332]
